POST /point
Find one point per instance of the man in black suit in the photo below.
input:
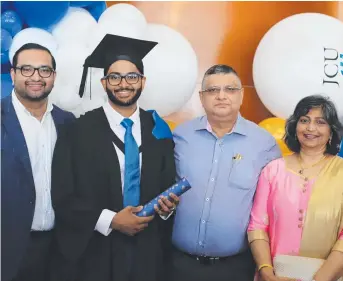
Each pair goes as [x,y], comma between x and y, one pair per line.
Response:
[110,162]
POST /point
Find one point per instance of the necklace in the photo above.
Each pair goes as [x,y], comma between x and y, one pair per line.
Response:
[302,168]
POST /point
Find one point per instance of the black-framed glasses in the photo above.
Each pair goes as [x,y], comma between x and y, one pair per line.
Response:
[227,90]
[29,70]
[114,79]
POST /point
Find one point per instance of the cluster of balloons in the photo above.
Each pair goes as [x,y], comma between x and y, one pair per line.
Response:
[19,18]
[300,56]
[73,29]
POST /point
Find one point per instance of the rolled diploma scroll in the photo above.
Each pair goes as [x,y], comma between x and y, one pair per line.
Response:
[178,189]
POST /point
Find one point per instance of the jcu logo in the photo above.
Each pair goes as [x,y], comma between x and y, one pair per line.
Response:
[333,66]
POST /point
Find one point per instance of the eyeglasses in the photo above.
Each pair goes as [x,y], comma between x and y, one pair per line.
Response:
[131,78]
[29,70]
[213,91]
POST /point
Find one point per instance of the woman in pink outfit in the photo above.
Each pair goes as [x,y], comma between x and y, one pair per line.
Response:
[298,207]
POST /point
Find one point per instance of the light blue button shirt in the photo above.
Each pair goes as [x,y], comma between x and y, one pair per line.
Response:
[213,215]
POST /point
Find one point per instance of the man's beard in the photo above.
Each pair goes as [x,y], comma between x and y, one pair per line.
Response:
[23,94]
[112,97]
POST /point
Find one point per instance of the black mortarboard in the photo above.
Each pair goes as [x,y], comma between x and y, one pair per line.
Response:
[113,48]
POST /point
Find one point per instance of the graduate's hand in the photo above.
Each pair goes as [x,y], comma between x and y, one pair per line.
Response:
[128,223]
[166,206]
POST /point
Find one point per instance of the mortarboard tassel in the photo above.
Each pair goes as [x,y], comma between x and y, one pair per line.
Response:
[83,80]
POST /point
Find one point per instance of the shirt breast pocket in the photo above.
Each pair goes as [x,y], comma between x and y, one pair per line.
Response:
[244,174]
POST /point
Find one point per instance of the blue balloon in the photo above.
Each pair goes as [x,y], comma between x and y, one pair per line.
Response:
[6,85]
[6,5]
[341,151]
[81,3]
[42,14]
[97,9]
[6,40]
[11,22]
[4,57]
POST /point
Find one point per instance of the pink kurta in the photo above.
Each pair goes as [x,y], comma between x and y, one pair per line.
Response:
[280,206]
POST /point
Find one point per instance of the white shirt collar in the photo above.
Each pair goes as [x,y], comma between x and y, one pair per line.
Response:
[116,118]
[19,106]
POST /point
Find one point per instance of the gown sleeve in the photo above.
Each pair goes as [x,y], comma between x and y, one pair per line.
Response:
[76,215]
[168,179]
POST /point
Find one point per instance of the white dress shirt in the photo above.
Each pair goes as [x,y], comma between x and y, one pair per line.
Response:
[114,118]
[40,137]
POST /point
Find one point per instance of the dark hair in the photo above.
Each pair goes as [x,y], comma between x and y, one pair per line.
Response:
[32,46]
[329,114]
[218,69]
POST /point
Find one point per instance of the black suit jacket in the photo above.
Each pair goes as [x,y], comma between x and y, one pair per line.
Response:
[85,180]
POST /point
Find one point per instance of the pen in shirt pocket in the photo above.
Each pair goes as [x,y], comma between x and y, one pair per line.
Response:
[235,160]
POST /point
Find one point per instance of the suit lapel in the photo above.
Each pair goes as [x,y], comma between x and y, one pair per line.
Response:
[13,133]
[58,119]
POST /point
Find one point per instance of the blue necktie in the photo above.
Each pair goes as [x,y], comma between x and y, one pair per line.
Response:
[132,171]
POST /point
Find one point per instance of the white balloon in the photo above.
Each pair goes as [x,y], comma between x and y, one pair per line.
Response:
[94,95]
[75,26]
[90,103]
[69,60]
[33,35]
[115,22]
[171,71]
[126,29]
[123,13]
[123,28]
[300,56]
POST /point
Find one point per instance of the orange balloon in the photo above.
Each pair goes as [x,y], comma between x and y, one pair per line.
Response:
[172,125]
[276,127]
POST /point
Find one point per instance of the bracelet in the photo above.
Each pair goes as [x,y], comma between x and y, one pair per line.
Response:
[265,265]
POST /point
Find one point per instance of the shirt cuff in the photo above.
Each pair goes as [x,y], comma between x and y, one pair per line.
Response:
[257,234]
[167,216]
[103,224]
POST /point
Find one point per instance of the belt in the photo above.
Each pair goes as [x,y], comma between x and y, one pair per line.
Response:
[205,259]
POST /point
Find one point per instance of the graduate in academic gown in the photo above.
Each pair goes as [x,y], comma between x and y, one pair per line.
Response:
[107,163]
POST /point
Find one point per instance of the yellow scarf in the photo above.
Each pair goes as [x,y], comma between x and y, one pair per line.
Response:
[324,216]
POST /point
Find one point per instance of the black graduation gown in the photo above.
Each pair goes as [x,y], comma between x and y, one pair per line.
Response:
[85,180]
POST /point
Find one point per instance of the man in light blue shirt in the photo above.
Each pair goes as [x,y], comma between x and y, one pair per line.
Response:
[221,154]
